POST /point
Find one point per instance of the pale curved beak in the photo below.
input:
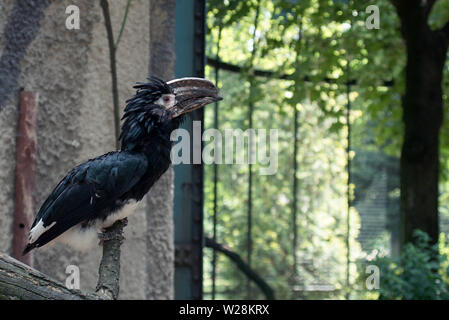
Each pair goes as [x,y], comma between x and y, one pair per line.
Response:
[192,93]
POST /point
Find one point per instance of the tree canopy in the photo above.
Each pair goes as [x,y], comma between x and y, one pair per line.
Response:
[319,56]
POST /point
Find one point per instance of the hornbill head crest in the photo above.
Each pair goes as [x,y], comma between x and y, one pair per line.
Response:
[159,105]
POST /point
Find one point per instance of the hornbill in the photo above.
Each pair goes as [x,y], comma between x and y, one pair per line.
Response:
[96,193]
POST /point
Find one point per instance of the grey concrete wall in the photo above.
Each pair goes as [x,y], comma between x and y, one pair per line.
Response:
[70,71]
[160,232]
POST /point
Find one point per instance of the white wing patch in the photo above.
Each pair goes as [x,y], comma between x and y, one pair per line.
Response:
[38,230]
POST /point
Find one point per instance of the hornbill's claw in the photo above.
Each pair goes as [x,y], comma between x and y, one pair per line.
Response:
[111,235]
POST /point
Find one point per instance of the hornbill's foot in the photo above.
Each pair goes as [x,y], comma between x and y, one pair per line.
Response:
[111,235]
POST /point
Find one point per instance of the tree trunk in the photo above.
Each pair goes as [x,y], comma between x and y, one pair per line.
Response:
[422,116]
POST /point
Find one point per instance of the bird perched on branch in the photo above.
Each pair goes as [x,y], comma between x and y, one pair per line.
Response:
[95,194]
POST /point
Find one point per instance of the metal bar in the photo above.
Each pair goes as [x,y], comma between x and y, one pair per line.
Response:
[250,198]
[214,218]
[349,202]
[188,200]
[282,76]
[25,175]
[250,141]
[295,162]
[348,152]
[198,169]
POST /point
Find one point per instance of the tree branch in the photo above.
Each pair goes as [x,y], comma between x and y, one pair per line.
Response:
[243,266]
[109,271]
[20,281]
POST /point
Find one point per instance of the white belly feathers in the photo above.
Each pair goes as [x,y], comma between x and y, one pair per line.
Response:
[83,238]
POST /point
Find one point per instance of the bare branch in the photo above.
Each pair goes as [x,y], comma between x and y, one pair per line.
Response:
[19,281]
[109,271]
[243,266]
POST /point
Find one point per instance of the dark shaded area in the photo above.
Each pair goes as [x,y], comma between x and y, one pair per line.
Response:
[376,197]
[21,28]
[423,116]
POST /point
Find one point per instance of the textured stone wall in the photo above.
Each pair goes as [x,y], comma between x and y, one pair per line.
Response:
[160,232]
[70,71]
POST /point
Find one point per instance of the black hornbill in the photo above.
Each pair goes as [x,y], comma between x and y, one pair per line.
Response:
[95,194]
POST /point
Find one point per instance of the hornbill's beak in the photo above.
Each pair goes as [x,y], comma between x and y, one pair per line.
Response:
[192,93]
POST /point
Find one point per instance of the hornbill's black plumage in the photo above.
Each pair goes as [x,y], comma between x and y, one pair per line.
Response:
[95,194]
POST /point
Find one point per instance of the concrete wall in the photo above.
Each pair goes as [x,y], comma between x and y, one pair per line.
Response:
[70,71]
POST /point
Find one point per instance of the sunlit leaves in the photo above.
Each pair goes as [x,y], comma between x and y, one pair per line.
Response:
[327,51]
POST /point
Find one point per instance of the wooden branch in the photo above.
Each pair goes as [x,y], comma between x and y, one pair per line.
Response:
[243,266]
[109,271]
[21,282]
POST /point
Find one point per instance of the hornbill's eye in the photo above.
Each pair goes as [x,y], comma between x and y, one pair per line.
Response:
[166,99]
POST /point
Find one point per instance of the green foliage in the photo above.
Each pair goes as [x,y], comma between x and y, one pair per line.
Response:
[322,46]
[420,273]
[439,15]
[321,155]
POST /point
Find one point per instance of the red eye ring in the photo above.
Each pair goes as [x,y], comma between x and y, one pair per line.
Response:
[166,99]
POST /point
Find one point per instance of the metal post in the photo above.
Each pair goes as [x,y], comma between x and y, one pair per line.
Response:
[349,202]
[188,206]
[214,218]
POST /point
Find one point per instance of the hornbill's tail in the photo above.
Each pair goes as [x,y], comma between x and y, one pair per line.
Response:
[28,248]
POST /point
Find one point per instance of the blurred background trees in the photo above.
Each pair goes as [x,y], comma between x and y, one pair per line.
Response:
[333,87]
[325,73]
